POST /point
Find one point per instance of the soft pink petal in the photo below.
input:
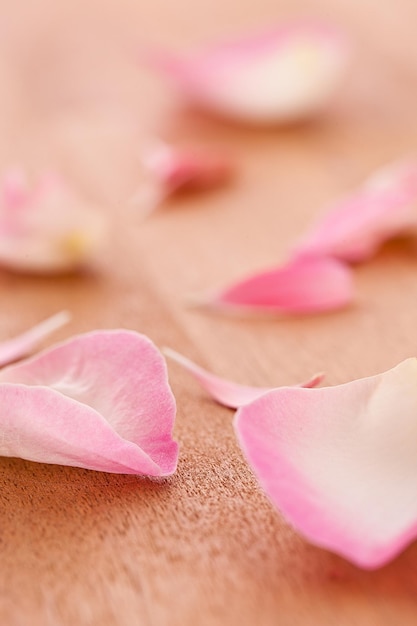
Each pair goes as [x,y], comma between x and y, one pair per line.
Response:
[225,391]
[173,170]
[20,346]
[305,285]
[182,169]
[99,401]
[284,74]
[383,208]
[341,462]
[46,228]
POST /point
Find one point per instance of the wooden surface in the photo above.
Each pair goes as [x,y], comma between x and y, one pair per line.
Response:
[203,547]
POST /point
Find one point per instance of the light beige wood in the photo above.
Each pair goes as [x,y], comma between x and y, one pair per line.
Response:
[203,547]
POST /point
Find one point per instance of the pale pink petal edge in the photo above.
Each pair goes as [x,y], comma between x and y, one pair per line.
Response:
[21,345]
[226,392]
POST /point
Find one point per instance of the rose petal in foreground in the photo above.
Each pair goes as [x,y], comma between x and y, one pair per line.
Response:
[99,401]
[46,228]
[285,74]
[224,391]
[341,462]
[305,285]
[20,346]
[383,208]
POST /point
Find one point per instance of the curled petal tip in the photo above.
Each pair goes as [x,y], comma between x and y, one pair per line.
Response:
[175,170]
[56,321]
[314,381]
[226,392]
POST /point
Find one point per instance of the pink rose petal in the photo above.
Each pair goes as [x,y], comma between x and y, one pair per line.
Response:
[174,170]
[20,346]
[284,74]
[340,462]
[99,401]
[182,169]
[383,208]
[225,391]
[47,228]
[305,285]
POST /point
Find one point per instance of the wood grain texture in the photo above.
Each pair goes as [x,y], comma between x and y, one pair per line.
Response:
[203,547]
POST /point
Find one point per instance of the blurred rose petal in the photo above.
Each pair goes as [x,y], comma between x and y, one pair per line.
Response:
[383,208]
[20,346]
[225,391]
[340,462]
[174,170]
[182,169]
[303,286]
[47,228]
[285,74]
[99,401]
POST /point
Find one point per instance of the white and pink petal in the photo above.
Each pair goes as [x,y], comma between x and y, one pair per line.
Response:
[284,74]
[340,462]
[47,227]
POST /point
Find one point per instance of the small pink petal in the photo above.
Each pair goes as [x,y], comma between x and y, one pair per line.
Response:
[340,462]
[20,346]
[47,228]
[383,208]
[99,401]
[174,170]
[181,169]
[284,74]
[305,285]
[225,391]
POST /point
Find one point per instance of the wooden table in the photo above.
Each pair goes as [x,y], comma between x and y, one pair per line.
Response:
[203,547]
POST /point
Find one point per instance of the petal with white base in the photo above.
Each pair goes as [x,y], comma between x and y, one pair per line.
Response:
[340,462]
[287,73]
[47,228]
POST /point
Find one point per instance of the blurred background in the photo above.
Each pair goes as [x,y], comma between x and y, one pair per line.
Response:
[75,89]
